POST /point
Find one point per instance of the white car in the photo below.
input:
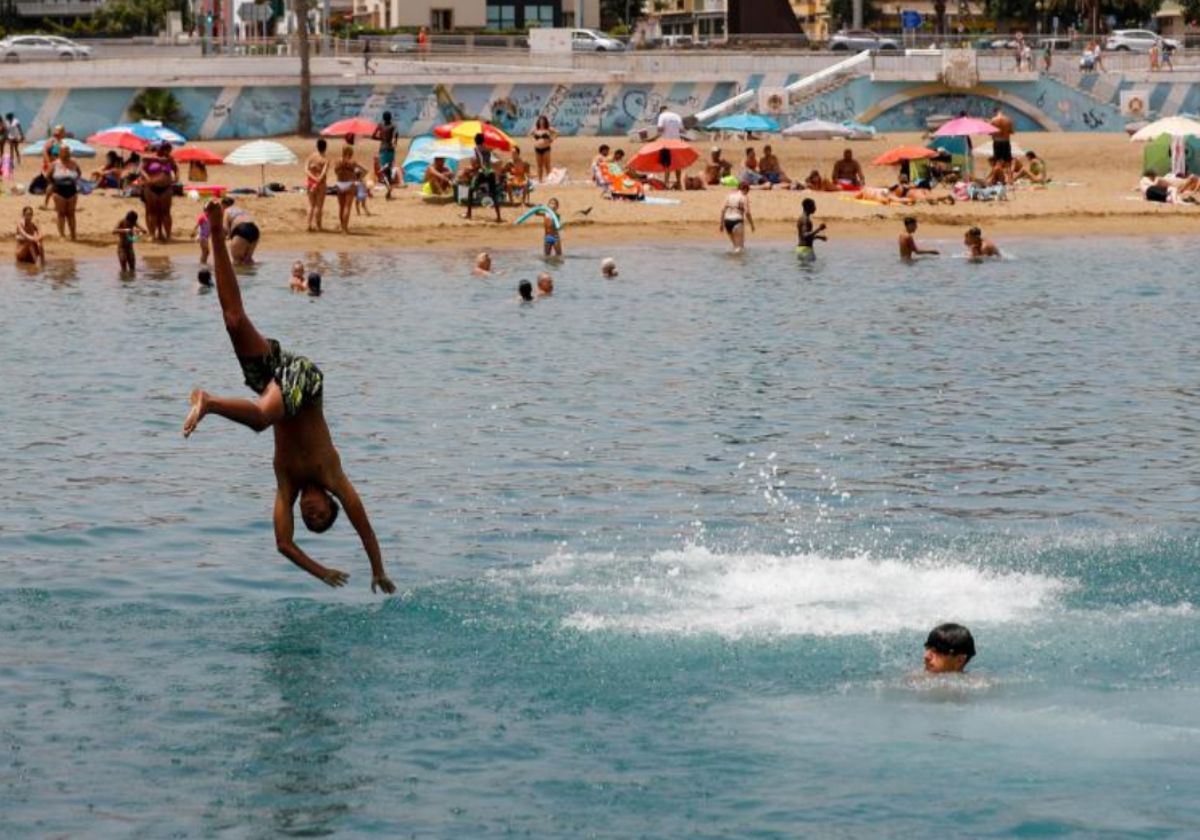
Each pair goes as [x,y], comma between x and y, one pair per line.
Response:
[589,40]
[1136,40]
[42,48]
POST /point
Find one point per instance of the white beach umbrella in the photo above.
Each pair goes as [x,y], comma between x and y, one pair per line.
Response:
[1175,126]
[261,153]
[818,130]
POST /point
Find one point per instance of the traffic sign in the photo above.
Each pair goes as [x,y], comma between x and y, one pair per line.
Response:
[910,19]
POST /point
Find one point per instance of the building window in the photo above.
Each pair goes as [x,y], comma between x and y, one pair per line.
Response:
[441,20]
[502,17]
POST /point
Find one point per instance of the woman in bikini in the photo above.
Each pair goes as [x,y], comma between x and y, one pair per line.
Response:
[64,185]
[29,240]
[347,173]
[50,155]
[109,176]
[241,231]
[127,231]
[316,181]
[159,174]
[735,215]
[543,138]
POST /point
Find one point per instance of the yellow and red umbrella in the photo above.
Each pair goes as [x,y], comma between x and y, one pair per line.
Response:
[465,132]
[903,153]
[664,156]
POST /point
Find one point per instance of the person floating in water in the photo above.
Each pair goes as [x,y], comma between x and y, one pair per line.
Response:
[307,465]
[948,649]
[908,242]
[978,247]
[807,233]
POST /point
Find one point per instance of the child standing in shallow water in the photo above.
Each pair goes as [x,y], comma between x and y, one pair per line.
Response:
[203,233]
[551,227]
[127,231]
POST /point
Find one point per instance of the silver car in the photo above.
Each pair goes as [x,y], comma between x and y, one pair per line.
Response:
[42,48]
[1136,40]
[859,40]
[589,40]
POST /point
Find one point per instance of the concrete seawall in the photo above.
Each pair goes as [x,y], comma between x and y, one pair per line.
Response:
[253,97]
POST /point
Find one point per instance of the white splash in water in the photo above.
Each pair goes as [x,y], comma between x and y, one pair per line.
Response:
[694,591]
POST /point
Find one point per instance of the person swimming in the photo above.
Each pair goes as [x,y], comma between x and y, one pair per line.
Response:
[908,242]
[808,235]
[608,268]
[948,649]
[483,266]
[545,285]
[978,247]
[525,292]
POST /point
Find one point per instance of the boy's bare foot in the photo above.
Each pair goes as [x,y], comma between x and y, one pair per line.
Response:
[199,409]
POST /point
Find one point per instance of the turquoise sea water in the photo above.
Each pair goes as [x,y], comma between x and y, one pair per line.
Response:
[669,547]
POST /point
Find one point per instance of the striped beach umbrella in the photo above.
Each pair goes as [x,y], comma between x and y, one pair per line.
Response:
[262,153]
[151,132]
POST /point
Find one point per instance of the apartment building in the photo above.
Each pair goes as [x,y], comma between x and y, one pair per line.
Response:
[700,20]
[813,16]
[475,15]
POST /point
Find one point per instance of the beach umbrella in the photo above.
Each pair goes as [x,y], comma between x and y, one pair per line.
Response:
[465,131]
[119,139]
[1175,126]
[425,148]
[817,130]
[262,153]
[78,148]
[356,125]
[965,127]
[195,154]
[988,149]
[903,153]
[664,156]
[746,123]
[150,131]
[860,131]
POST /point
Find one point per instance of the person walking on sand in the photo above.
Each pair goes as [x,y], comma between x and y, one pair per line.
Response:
[316,182]
[347,172]
[735,215]
[386,134]
[1002,139]
[307,464]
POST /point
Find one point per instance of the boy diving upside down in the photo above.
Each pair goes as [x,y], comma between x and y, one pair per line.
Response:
[307,465]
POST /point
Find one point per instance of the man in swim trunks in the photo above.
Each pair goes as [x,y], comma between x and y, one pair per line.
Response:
[847,172]
[908,242]
[1002,139]
[307,466]
[386,133]
[807,233]
[484,178]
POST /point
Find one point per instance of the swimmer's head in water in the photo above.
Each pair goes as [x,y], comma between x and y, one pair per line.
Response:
[297,269]
[204,278]
[525,290]
[910,223]
[975,233]
[484,261]
[318,509]
[314,284]
[545,283]
[809,206]
[608,268]
[948,649]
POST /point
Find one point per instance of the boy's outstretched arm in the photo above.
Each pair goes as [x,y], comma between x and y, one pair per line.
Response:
[285,531]
[357,514]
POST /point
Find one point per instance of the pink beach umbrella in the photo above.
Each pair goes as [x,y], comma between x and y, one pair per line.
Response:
[966,127]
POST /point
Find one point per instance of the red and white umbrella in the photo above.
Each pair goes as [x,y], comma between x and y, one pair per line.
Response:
[119,139]
[194,154]
[465,132]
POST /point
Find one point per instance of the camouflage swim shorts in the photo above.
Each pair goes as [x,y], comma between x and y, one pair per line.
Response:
[299,379]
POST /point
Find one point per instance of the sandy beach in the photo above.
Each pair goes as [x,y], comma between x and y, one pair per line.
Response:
[1093,195]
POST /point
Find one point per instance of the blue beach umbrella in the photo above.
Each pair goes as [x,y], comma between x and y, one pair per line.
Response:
[151,132]
[745,122]
[78,149]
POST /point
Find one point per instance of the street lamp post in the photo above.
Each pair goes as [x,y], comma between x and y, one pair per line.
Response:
[1039,6]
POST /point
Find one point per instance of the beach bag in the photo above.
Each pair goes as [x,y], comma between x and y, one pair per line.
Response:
[38,185]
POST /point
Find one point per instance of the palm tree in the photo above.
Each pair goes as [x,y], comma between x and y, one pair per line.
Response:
[304,126]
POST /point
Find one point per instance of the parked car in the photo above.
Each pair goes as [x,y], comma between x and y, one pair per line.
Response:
[403,44]
[42,48]
[1136,40]
[861,39]
[589,40]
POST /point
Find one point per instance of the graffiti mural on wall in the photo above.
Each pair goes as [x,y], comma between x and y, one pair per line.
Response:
[586,109]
